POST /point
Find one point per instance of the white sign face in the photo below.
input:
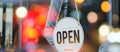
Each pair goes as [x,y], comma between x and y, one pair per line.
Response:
[68,35]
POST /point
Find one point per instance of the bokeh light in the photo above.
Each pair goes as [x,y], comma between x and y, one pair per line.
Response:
[92,17]
[102,39]
[104,30]
[31,50]
[105,6]
[34,23]
[115,18]
[31,34]
[40,50]
[35,7]
[40,20]
[40,8]
[28,23]
[79,1]
[114,36]
[21,12]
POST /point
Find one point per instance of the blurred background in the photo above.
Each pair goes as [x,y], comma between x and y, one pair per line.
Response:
[32,24]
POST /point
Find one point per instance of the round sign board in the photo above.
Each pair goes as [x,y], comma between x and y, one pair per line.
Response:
[68,35]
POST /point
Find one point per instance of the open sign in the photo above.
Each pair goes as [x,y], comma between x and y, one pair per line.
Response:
[68,35]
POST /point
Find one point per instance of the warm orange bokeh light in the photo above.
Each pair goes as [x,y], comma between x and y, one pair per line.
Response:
[105,6]
[41,9]
[79,1]
[31,33]
[40,20]
[35,7]
[40,50]
[34,23]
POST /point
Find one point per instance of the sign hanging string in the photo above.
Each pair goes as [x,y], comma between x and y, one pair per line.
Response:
[78,15]
[65,9]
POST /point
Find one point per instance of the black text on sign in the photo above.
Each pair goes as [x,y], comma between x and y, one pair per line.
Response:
[68,35]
